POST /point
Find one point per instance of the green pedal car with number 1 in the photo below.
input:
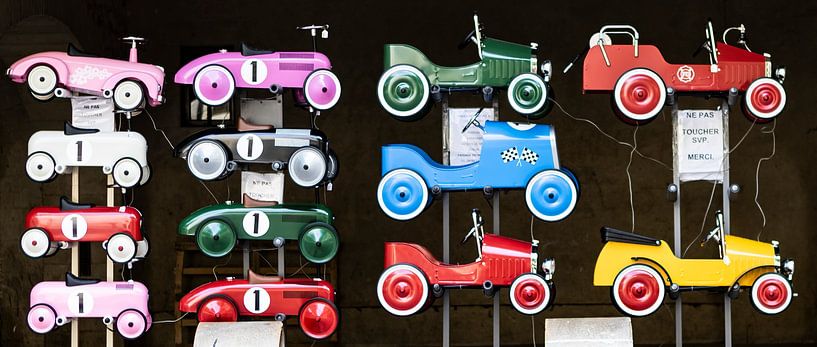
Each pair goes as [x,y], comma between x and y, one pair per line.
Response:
[217,228]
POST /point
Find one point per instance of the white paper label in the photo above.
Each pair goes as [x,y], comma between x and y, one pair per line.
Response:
[263,186]
[90,112]
[700,145]
[465,146]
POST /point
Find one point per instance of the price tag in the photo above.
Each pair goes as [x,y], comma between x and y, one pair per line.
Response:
[700,145]
[90,112]
[263,186]
[465,147]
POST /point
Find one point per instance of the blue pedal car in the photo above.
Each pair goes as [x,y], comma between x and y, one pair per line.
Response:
[513,156]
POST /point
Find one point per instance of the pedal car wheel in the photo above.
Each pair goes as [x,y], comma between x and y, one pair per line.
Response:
[527,94]
[128,95]
[36,243]
[307,167]
[322,89]
[40,167]
[319,242]
[530,294]
[764,99]
[127,173]
[551,195]
[121,248]
[403,90]
[214,85]
[638,290]
[639,95]
[217,309]
[142,247]
[215,238]
[402,194]
[771,293]
[207,160]
[402,290]
[42,80]
[42,318]
[318,318]
[146,172]
[131,324]
[334,165]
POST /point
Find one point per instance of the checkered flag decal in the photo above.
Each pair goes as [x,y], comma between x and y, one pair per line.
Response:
[510,155]
[529,156]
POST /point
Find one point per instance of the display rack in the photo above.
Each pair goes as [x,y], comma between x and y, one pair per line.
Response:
[446,342]
[675,189]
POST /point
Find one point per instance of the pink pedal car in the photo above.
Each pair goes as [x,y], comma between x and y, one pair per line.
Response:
[64,74]
[216,76]
[123,304]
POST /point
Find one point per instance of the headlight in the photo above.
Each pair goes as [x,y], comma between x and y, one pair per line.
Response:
[788,267]
[549,267]
[780,73]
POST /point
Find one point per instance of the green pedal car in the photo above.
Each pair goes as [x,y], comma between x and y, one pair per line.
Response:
[411,80]
[217,228]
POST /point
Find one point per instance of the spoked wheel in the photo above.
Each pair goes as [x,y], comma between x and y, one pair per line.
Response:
[403,90]
[307,167]
[216,238]
[131,324]
[128,95]
[36,243]
[207,160]
[771,293]
[214,85]
[318,318]
[530,294]
[319,242]
[127,173]
[42,81]
[639,95]
[40,167]
[322,89]
[527,94]
[402,290]
[42,318]
[638,290]
[217,309]
[551,195]
[121,248]
[402,194]
[764,99]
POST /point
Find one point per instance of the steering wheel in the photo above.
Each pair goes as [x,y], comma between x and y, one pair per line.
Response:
[470,234]
[710,236]
[472,120]
[704,45]
[468,39]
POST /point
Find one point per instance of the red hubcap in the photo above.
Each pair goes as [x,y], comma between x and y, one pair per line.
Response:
[319,319]
[217,310]
[766,98]
[772,293]
[403,290]
[638,290]
[530,293]
[640,94]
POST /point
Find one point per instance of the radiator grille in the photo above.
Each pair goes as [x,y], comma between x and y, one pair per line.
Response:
[296,66]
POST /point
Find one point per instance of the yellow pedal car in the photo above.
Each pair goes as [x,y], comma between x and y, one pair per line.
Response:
[640,270]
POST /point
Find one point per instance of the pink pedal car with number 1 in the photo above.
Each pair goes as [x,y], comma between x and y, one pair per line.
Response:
[123,304]
[63,74]
[216,76]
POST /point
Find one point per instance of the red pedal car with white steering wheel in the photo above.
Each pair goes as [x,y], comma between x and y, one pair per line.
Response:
[639,78]
[412,275]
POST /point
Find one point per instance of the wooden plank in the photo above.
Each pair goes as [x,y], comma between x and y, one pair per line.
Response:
[75,254]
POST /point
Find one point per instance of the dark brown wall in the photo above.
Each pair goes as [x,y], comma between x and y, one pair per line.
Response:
[358,127]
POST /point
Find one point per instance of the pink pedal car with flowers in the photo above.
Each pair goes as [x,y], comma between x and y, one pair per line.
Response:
[128,82]
[123,304]
[216,76]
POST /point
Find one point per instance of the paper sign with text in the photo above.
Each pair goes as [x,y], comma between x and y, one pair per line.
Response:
[263,186]
[700,145]
[465,146]
[91,112]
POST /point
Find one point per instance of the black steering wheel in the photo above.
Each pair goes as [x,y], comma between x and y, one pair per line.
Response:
[472,120]
[467,40]
[468,236]
[704,45]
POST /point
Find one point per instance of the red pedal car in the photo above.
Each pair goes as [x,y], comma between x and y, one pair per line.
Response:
[639,77]
[118,228]
[312,300]
[413,275]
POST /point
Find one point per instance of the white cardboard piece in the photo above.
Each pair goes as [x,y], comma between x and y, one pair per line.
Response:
[580,332]
[263,186]
[91,112]
[263,111]
[700,145]
[240,334]
[465,147]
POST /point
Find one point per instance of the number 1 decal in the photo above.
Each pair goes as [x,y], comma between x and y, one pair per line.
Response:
[253,71]
[249,147]
[74,226]
[255,223]
[81,303]
[254,64]
[256,300]
[79,150]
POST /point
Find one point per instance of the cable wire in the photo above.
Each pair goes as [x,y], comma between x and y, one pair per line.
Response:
[757,175]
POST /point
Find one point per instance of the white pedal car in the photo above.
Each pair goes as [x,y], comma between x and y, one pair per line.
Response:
[122,154]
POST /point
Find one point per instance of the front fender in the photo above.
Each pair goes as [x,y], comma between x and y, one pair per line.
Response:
[615,256]
[18,72]
[153,87]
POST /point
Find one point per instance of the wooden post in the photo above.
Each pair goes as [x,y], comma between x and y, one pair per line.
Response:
[75,254]
[108,261]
